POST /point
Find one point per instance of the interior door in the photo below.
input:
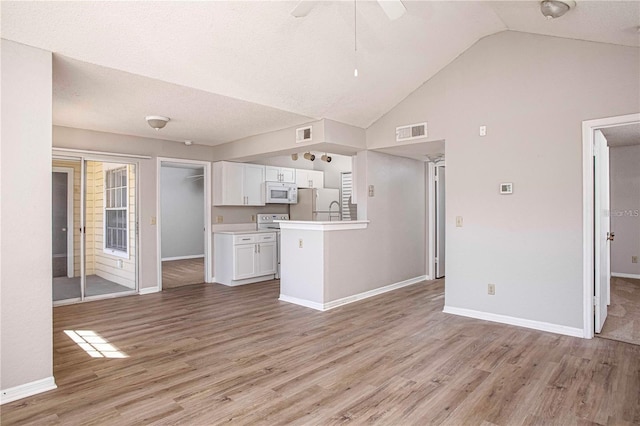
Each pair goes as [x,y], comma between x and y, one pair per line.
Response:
[603,235]
[59,227]
[440,222]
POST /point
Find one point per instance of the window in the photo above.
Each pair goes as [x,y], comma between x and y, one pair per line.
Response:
[115,211]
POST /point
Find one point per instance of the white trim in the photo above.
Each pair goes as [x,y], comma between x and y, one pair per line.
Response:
[89,152]
[302,302]
[123,254]
[431,225]
[194,256]
[323,226]
[588,265]
[520,322]
[149,290]
[623,275]
[27,389]
[208,239]
[70,217]
[354,298]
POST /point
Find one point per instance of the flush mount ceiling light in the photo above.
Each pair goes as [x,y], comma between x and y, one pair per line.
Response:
[552,9]
[188,143]
[157,121]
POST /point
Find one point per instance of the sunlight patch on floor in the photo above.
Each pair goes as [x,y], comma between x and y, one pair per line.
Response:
[94,344]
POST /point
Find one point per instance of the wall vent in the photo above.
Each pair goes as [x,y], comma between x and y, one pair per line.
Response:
[303,134]
[412,131]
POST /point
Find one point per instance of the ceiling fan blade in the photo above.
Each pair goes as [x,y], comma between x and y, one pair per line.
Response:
[303,8]
[393,8]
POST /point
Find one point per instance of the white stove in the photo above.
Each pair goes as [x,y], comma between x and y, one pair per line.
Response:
[268,221]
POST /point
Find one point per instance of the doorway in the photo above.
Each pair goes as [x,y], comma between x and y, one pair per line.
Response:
[601,201]
[184,222]
[100,238]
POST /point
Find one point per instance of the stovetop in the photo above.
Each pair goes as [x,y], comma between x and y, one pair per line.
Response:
[267,220]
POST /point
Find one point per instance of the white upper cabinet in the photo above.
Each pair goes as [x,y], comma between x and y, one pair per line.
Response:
[238,184]
[309,178]
[280,174]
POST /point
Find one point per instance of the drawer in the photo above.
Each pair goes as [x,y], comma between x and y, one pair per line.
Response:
[262,238]
[244,239]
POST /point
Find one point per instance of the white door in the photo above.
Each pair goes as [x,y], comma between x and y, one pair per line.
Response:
[440,221]
[244,263]
[603,236]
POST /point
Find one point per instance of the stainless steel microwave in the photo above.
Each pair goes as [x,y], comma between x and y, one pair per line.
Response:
[281,193]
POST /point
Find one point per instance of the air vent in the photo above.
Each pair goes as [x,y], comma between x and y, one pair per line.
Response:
[303,134]
[412,131]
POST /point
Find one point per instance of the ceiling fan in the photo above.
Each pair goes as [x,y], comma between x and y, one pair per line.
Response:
[392,8]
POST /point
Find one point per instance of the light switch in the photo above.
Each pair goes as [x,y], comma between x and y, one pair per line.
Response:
[483,130]
[300,243]
[371,190]
[219,219]
[458,221]
[153,220]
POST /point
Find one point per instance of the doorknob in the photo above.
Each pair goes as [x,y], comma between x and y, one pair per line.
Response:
[610,236]
[64,229]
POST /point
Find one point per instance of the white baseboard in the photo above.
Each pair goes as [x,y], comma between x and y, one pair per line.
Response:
[521,322]
[302,302]
[195,256]
[149,290]
[350,299]
[621,275]
[28,389]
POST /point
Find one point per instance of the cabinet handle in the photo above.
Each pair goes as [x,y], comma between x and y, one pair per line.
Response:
[310,184]
[258,248]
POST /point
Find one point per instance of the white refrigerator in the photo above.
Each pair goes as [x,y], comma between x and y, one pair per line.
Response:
[318,204]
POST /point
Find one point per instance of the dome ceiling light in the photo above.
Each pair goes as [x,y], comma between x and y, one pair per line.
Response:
[157,121]
[552,9]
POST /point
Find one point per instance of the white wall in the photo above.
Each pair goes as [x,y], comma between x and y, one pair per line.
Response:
[532,92]
[624,162]
[182,204]
[66,137]
[25,226]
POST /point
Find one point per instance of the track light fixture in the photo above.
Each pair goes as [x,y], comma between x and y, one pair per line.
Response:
[157,121]
[309,156]
[326,158]
[294,157]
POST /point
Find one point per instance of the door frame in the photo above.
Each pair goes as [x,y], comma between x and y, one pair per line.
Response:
[208,240]
[589,261]
[70,227]
[431,213]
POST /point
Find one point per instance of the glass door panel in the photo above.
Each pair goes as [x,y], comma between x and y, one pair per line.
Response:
[110,229]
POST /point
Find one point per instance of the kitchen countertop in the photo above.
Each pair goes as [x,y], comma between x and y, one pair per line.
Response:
[254,231]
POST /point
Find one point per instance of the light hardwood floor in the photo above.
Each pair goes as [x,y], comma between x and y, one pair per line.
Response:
[206,355]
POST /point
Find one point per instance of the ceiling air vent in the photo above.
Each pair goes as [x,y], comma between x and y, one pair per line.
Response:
[412,131]
[303,134]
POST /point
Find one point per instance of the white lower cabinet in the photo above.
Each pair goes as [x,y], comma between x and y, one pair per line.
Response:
[242,258]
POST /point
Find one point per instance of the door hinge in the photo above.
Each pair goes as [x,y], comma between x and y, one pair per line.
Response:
[595,301]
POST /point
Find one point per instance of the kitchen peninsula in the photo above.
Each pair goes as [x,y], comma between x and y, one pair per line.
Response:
[322,263]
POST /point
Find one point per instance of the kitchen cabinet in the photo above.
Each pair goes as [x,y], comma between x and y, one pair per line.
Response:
[238,184]
[243,258]
[309,178]
[280,174]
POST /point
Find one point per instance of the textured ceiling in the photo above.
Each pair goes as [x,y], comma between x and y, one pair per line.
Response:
[628,134]
[247,67]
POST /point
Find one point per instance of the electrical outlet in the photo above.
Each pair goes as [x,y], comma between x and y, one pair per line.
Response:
[371,191]
[458,221]
[219,219]
[253,218]
[153,220]
[300,243]
[483,131]
[120,264]
[634,259]
[491,289]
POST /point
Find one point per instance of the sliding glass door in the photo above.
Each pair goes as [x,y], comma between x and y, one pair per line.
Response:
[100,209]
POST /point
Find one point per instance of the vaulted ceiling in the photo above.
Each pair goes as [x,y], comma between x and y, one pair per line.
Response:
[226,70]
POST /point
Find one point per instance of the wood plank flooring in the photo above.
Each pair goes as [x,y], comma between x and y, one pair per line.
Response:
[210,354]
[178,273]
